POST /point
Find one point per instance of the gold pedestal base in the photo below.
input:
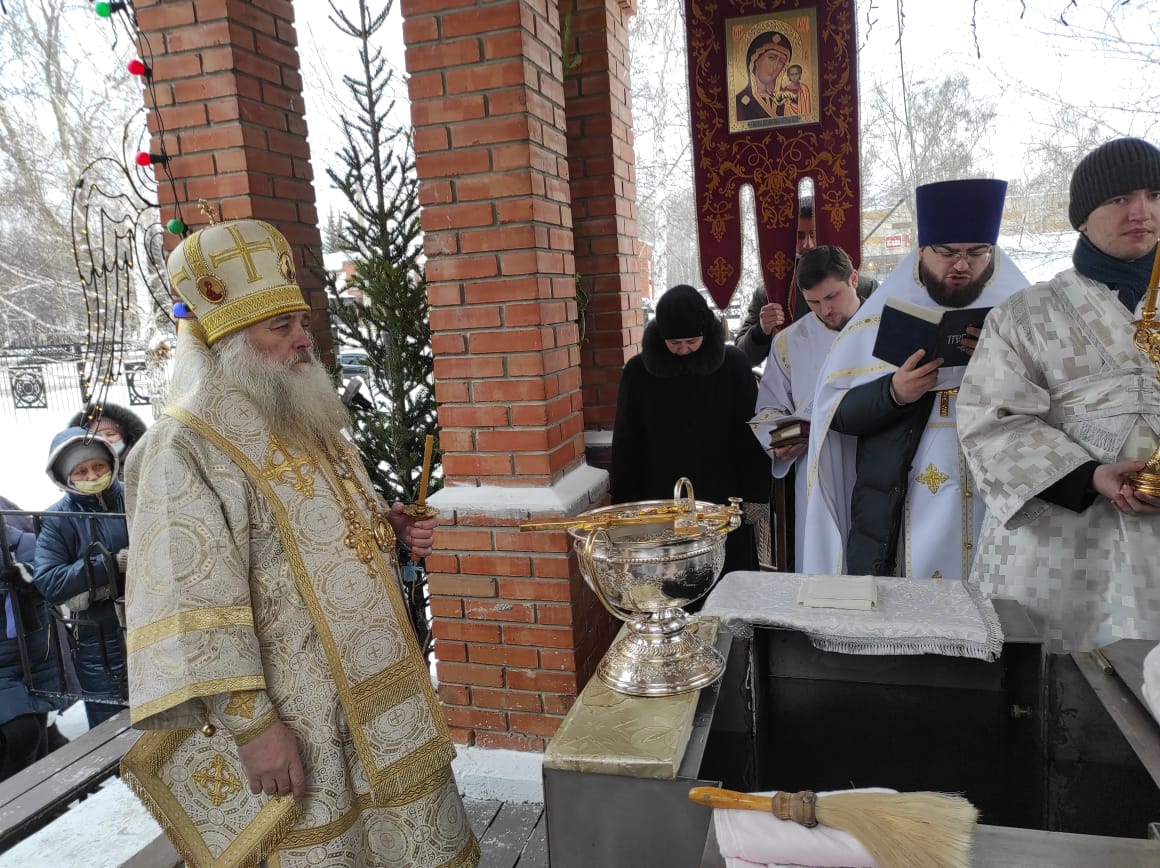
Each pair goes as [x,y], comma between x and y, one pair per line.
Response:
[1146,482]
[660,657]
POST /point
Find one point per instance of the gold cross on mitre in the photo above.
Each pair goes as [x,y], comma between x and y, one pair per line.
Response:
[243,250]
[217,780]
[932,478]
[281,466]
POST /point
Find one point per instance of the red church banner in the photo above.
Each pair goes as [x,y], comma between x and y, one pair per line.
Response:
[773,92]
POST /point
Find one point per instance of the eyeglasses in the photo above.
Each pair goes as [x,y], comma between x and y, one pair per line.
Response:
[972,256]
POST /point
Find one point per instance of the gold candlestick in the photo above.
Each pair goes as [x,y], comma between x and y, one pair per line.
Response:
[1147,341]
[420,509]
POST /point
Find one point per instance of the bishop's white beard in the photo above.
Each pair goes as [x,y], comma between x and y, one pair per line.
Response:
[298,401]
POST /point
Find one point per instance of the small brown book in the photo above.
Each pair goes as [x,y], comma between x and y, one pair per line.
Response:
[793,433]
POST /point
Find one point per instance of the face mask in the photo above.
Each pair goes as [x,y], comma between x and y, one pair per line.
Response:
[95,486]
[118,446]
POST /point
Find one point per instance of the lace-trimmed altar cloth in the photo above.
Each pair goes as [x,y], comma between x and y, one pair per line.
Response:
[914,616]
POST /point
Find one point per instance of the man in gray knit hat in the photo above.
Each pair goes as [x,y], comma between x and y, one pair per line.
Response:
[1059,408]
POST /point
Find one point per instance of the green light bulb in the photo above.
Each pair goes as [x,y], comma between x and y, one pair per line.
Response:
[175,226]
[103,10]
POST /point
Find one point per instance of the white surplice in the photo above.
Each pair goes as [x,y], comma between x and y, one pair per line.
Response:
[1056,382]
[941,519]
[787,388]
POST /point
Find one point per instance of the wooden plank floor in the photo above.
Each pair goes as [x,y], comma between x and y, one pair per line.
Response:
[511,834]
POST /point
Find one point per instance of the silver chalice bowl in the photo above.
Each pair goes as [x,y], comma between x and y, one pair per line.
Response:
[645,561]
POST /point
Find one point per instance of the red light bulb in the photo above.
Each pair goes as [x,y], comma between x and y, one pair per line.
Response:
[136,67]
[143,159]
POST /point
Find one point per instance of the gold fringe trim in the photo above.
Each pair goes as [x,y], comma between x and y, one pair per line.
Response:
[140,770]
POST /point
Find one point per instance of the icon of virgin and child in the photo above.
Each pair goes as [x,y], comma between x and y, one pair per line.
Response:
[775,88]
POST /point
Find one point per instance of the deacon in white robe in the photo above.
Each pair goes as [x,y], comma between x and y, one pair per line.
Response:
[1059,408]
[909,508]
[828,283]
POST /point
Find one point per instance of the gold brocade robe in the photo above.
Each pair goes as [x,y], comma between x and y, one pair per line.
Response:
[256,568]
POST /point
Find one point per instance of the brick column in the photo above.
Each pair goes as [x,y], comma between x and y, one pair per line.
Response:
[229,110]
[601,162]
[517,632]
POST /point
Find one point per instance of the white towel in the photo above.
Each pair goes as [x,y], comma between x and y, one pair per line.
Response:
[747,838]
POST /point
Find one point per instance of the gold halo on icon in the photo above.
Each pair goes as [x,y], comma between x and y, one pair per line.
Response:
[286,266]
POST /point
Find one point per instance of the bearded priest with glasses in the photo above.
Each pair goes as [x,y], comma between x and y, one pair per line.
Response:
[909,509]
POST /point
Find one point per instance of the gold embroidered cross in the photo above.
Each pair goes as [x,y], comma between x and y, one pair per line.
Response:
[281,466]
[944,401]
[243,250]
[217,781]
[932,478]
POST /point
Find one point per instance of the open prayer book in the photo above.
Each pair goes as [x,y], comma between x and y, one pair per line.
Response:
[775,428]
[839,592]
[905,327]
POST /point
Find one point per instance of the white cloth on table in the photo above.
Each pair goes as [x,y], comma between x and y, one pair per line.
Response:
[1152,681]
[913,616]
[747,838]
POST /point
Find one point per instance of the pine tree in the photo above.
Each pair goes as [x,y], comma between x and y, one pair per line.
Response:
[380,232]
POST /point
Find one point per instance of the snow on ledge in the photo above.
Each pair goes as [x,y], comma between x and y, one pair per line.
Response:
[577,491]
[502,775]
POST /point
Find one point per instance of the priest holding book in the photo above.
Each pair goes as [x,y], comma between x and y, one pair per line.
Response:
[785,398]
[908,509]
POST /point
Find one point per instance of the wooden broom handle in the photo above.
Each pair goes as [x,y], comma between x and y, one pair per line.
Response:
[715,797]
[799,807]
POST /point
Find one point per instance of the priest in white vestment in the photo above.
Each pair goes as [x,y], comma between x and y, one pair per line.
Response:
[908,509]
[1059,408]
[290,716]
[828,282]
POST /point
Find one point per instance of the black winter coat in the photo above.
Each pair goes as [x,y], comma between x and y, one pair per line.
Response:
[16,596]
[888,437]
[687,416]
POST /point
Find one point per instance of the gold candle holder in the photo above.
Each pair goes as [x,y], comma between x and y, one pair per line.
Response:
[1147,340]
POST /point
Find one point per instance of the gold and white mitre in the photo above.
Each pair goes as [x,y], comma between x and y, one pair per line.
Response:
[233,274]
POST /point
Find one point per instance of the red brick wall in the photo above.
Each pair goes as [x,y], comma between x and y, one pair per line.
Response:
[601,162]
[229,99]
[517,632]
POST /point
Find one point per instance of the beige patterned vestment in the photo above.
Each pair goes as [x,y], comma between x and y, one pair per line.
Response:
[261,584]
[1056,382]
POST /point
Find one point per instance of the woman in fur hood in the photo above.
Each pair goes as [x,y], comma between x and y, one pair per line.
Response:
[683,410]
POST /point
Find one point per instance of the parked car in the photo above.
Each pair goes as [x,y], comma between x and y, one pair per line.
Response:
[353,363]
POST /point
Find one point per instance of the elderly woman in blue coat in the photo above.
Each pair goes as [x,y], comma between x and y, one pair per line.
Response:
[80,562]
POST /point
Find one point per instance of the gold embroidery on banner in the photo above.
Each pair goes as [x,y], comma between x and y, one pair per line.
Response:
[242,704]
[195,621]
[932,478]
[282,466]
[217,781]
[196,689]
[720,270]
